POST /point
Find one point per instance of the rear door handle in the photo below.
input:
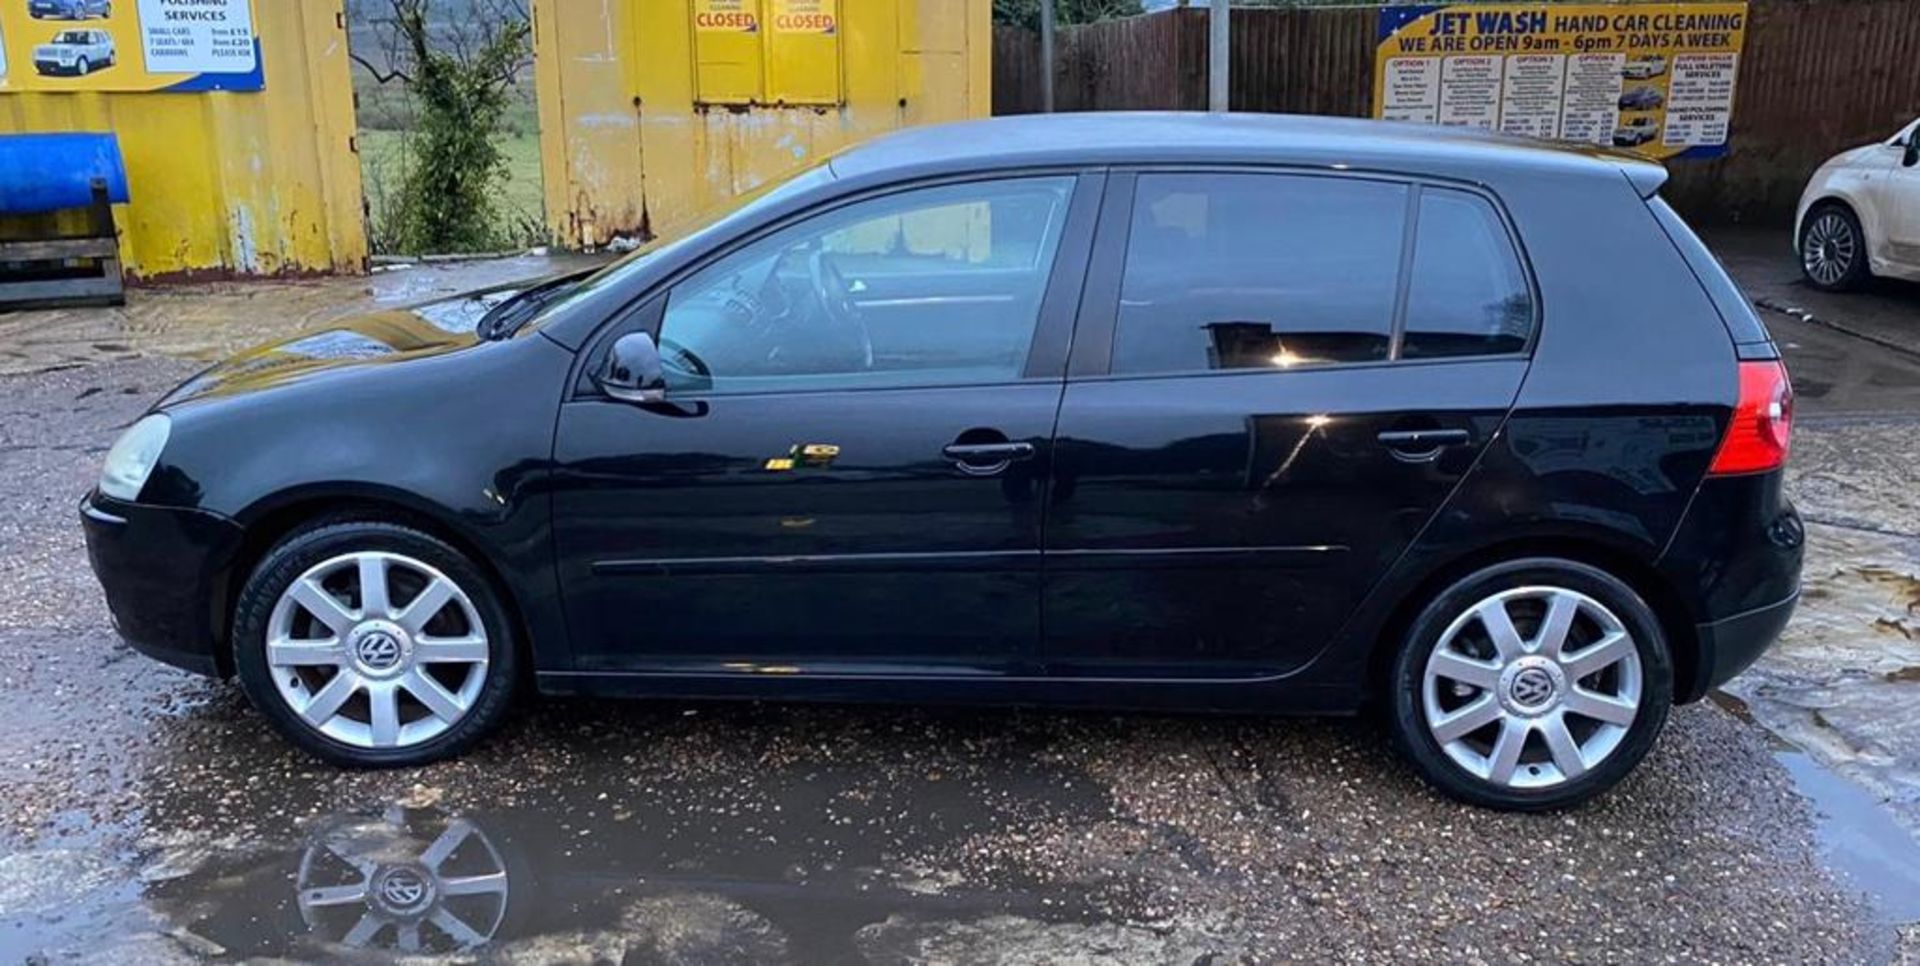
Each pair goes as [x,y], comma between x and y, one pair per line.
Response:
[1420,445]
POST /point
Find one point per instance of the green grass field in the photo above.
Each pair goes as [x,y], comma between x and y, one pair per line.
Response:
[384,120]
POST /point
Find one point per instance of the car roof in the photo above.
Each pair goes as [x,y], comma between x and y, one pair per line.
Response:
[1167,137]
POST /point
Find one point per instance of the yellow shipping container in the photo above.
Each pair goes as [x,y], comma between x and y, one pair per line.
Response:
[655,111]
[232,181]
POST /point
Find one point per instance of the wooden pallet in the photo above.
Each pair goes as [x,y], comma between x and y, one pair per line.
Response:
[67,270]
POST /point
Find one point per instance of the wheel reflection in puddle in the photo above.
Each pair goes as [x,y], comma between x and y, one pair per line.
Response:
[408,882]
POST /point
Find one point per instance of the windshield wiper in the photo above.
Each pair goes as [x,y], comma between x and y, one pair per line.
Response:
[504,319]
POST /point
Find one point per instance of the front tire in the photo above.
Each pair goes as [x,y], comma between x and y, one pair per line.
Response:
[1531,685]
[371,644]
[1833,249]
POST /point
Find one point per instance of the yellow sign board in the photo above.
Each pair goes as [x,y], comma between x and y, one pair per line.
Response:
[726,16]
[805,17]
[129,45]
[1655,78]
[773,52]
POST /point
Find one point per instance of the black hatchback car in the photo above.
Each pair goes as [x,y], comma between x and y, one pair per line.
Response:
[1223,413]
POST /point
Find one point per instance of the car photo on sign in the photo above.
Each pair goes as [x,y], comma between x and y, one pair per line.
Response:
[70,9]
[1644,68]
[75,52]
[1644,98]
[1635,131]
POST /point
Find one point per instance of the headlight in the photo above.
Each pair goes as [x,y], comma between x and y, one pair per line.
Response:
[133,456]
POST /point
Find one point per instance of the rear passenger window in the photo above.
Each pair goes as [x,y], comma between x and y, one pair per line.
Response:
[1256,271]
[1468,295]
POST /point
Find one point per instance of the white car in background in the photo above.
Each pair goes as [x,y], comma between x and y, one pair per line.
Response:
[1644,68]
[1860,215]
[1636,131]
[76,52]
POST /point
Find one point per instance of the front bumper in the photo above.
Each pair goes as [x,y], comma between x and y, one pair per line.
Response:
[164,571]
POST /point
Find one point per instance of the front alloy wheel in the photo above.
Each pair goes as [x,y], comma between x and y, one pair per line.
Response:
[1531,685]
[1833,252]
[371,643]
[377,650]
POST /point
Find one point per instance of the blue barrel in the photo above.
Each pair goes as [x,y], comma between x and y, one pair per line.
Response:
[49,172]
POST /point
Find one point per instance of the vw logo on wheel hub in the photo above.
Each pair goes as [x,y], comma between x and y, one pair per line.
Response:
[379,649]
[1532,688]
[403,890]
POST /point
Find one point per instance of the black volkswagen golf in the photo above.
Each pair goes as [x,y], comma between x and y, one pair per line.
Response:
[1222,413]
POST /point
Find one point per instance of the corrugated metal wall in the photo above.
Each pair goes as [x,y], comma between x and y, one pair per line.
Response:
[1817,76]
[259,183]
[626,150]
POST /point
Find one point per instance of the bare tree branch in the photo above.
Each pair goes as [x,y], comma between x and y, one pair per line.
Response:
[379,76]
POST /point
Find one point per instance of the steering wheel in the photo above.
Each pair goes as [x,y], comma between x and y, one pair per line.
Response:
[836,298]
[674,353]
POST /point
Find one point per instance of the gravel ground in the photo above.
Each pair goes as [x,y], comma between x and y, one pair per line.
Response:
[150,816]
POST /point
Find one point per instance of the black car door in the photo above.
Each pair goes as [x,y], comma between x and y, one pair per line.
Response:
[1278,380]
[845,476]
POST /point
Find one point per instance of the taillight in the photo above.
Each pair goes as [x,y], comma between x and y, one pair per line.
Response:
[1762,422]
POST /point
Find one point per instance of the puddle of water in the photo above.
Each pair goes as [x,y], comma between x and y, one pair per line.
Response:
[1861,838]
[696,859]
[1856,833]
[534,884]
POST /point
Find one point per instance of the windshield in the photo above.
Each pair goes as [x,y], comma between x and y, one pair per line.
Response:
[690,232]
[71,37]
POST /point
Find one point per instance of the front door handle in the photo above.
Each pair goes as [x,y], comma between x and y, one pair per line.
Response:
[988,452]
[1422,445]
[986,459]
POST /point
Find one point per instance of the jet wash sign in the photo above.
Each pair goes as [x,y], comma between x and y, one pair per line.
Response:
[129,45]
[1654,78]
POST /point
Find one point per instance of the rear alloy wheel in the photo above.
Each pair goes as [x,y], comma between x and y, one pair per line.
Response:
[373,644]
[1833,249]
[1532,685]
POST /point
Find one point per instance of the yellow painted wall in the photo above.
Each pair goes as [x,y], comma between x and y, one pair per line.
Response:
[625,148]
[258,183]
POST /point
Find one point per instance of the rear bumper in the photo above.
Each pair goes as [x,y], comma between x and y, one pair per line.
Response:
[1730,646]
[163,571]
[1735,562]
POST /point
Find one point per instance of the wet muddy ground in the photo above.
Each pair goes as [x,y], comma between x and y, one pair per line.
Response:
[147,815]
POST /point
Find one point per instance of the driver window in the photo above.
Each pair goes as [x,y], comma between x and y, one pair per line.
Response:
[928,287]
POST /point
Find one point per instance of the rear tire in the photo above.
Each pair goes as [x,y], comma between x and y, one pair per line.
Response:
[1833,249]
[370,644]
[1547,711]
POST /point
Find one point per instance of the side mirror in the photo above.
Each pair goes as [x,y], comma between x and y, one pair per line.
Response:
[632,371]
[1912,157]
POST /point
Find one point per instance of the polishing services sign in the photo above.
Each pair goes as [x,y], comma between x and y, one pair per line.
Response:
[148,45]
[1654,78]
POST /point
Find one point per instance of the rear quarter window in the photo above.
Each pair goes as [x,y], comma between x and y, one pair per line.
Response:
[1468,295]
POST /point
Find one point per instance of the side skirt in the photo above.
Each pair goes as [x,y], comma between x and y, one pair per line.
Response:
[1259,696]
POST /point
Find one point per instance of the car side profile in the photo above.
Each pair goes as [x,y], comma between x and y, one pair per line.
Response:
[1644,67]
[1212,413]
[75,52]
[1646,97]
[1636,131]
[70,9]
[1859,216]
